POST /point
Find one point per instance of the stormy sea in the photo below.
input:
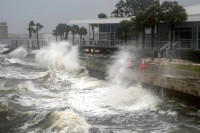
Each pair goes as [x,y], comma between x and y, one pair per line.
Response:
[48,91]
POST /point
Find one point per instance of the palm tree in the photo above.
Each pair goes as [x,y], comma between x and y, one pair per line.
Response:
[67,29]
[61,29]
[30,28]
[138,24]
[141,23]
[93,26]
[173,14]
[74,30]
[55,33]
[153,16]
[82,31]
[38,28]
[123,30]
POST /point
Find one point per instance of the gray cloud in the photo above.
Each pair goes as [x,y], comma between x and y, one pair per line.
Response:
[18,13]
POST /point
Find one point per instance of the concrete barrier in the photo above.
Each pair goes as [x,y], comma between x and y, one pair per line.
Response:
[183,85]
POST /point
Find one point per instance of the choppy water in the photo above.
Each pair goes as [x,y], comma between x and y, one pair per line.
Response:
[47,91]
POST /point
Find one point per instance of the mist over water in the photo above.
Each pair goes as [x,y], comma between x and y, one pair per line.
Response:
[47,90]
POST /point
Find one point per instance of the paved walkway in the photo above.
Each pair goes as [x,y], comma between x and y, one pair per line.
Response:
[167,71]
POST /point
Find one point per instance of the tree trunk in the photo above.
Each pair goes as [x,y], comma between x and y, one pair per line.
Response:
[38,41]
[73,39]
[126,38]
[93,32]
[66,35]
[143,38]
[56,38]
[171,41]
[137,38]
[80,39]
[152,40]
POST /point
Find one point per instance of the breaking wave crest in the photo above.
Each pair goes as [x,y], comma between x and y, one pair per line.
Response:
[19,53]
[58,56]
[58,122]
[17,61]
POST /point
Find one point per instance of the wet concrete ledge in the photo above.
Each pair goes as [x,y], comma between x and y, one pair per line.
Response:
[186,88]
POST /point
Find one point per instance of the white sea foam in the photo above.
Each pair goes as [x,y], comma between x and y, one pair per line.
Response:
[17,61]
[3,48]
[132,98]
[19,53]
[59,122]
[67,121]
[59,56]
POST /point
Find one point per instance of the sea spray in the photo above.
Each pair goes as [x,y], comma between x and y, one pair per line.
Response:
[118,69]
[121,92]
[58,56]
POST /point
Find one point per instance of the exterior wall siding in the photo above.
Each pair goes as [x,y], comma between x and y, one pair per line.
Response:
[163,33]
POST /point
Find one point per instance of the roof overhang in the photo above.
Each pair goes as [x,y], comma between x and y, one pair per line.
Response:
[99,21]
[193,18]
[192,11]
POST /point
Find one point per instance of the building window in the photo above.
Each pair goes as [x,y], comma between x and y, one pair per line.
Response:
[148,30]
[102,36]
[104,28]
[184,36]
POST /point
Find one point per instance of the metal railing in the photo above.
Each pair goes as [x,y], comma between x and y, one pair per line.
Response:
[23,42]
[165,50]
[157,45]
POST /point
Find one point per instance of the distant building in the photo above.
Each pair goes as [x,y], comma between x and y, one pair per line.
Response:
[187,33]
[3,30]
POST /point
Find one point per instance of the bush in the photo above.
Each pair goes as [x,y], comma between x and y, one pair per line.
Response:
[190,55]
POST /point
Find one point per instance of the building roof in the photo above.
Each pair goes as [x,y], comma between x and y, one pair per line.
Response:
[193,10]
[193,13]
[99,21]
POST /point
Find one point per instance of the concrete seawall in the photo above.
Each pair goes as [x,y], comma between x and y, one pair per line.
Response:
[183,85]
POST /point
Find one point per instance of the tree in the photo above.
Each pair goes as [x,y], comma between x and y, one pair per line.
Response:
[121,10]
[102,15]
[82,31]
[138,24]
[38,28]
[55,33]
[67,29]
[123,30]
[173,14]
[75,30]
[93,26]
[61,30]
[128,8]
[153,16]
[30,28]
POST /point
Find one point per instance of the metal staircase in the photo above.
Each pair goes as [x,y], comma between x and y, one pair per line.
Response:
[164,51]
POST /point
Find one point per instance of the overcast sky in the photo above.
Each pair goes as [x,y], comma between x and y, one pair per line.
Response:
[18,13]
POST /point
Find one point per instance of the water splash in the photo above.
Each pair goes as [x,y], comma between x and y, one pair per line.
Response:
[58,56]
[122,93]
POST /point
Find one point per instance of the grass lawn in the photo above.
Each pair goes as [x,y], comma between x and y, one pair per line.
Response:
[188,67]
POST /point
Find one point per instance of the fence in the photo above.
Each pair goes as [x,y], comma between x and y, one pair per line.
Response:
[157,44]
[24,42]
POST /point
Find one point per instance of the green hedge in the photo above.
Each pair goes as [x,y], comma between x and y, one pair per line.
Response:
[190,55]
